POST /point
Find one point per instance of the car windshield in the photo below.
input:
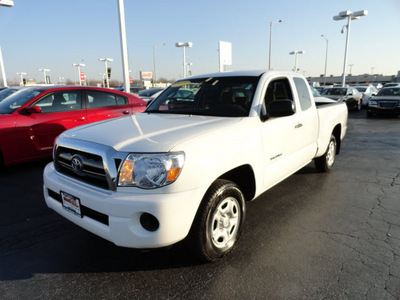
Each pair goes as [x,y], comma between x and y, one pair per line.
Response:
[361,89]
[210,96]
[334,91]
[17,98]
[7,92]
[389,92]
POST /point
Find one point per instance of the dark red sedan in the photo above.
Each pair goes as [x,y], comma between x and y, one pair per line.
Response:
[32,117]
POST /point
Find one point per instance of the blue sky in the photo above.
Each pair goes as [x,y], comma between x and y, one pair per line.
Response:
[53,34]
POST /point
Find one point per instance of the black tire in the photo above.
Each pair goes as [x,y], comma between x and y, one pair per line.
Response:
[218,222]
[369,114]
[325,162]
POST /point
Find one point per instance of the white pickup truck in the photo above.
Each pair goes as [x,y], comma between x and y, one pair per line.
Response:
[186,167]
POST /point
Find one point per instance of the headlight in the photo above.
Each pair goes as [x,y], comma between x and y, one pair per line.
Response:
[149,171]
[372,103]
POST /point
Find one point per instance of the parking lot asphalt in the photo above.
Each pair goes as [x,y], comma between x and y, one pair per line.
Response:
[314,236]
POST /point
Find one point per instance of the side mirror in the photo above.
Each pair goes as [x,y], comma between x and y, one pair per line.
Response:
[281,108]
[34,109]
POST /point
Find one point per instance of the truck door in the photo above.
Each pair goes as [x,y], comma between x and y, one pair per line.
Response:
[308,119]
[282,136]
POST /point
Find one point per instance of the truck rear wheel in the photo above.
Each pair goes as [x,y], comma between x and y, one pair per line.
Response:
[218,223]
[326,161]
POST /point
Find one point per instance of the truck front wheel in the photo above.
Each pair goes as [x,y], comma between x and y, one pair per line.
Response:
[218,222]
[326,161]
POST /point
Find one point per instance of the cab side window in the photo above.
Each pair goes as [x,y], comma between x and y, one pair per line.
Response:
[61,101]
[303,93]
[278,89]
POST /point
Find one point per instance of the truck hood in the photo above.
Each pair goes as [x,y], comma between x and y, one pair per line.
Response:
[145,132]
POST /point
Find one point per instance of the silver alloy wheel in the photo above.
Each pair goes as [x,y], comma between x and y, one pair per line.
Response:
[225,223]
[330,155]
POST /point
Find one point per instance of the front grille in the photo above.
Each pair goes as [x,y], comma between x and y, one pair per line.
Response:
[388,104]
[86,211]
[91,169]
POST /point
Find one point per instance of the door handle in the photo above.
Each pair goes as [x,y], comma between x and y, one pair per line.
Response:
[80,119]
[126,112]
[298,125]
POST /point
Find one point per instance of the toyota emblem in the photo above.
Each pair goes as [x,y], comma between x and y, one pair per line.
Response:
[77,164]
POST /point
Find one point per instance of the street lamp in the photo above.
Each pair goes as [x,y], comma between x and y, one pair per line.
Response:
[270,41]
[107,60]
[44,73]
[79,71]
[326,57]
[349,16]
[7,3]
[22,77]
[296,53]
[154,61]
[183,46]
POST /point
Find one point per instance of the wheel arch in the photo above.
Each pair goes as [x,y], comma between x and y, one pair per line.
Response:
[244,177]
[337,132]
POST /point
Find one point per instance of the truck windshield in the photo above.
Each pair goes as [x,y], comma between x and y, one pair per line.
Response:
[210,96]
[16,98]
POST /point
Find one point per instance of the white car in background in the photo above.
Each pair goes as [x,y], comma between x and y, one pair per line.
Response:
[367,91]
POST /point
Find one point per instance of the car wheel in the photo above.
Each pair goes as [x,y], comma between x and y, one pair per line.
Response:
[326,161]
[369,114]
[218,223]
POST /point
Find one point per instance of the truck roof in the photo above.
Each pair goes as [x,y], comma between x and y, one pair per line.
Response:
[239,73]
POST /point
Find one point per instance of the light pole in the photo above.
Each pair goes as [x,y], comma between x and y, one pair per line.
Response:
[107,60]
[102,79]
[296,53]
[326,57]
[124,47]
[22,77]
[79,71]
[349,16]
[270,41]
[154,61]
[3,71]
[183,46]
[188,69]
[44,73]
[351,69]
[9,3]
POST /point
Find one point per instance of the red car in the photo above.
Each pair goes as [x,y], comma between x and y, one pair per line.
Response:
[32,117]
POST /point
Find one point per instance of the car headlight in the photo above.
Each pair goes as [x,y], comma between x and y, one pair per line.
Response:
[372,103]
[149,171]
